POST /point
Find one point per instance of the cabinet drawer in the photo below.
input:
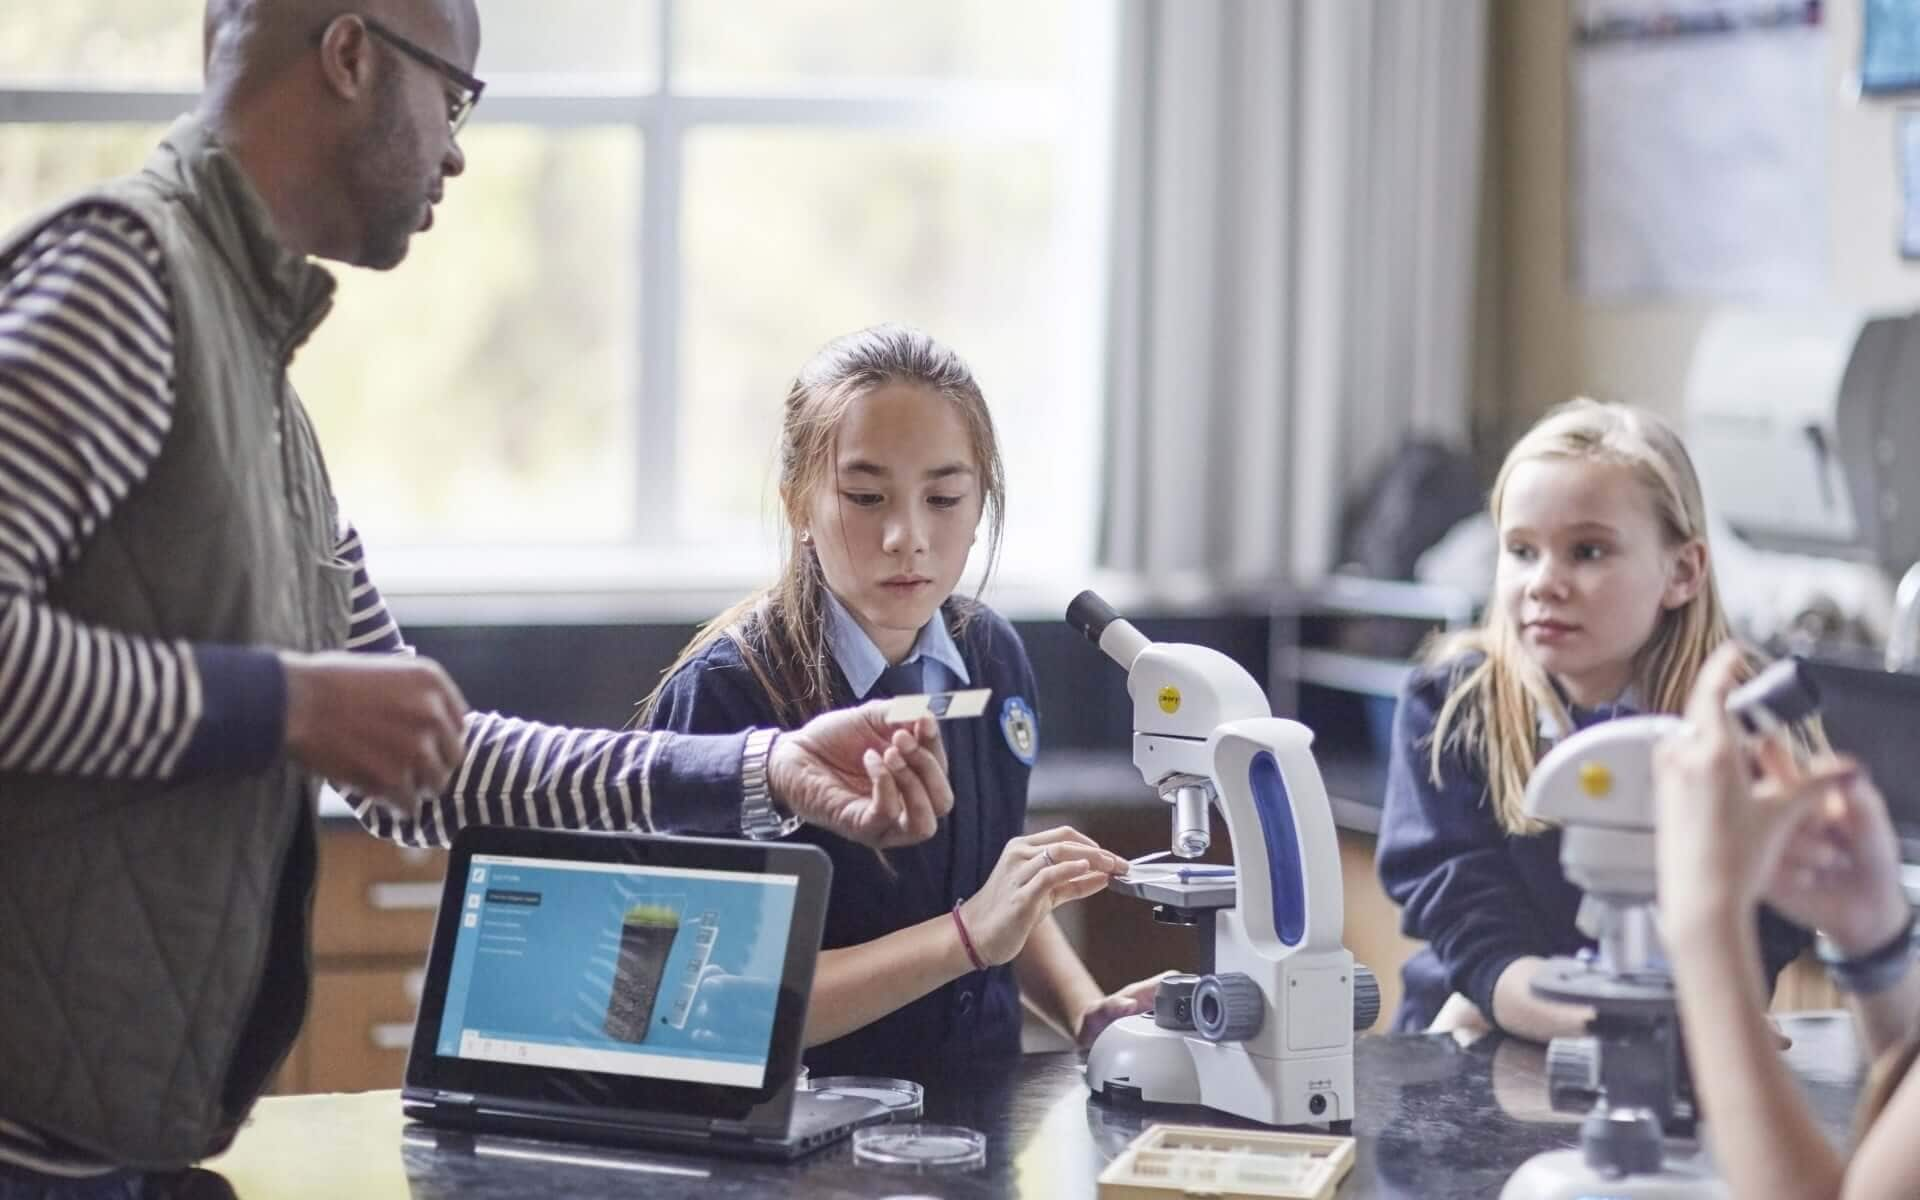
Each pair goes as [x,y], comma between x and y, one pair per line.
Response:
[374,898]
[359,1028]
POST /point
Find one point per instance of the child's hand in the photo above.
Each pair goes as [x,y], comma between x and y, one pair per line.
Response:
[1722,838]
[1840,872]
[1131,1000]
[1035,875]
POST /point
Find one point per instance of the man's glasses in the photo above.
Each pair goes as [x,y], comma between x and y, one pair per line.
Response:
[460,105]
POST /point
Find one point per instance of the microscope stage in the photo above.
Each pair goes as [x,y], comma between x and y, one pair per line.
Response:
[1572,982]
[1179,885]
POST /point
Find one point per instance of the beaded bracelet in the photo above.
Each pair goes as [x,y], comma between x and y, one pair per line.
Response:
[966,942]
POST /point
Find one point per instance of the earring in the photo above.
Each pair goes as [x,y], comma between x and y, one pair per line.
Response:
[806,538]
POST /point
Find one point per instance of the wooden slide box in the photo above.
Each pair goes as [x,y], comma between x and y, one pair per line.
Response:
[1228,1164]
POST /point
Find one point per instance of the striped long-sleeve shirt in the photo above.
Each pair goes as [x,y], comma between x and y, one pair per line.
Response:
[86,402]
[86,368]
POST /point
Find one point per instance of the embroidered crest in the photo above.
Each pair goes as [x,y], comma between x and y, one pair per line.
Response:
[1021,728]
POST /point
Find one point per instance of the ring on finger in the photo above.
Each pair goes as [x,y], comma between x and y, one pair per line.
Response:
[1046,852]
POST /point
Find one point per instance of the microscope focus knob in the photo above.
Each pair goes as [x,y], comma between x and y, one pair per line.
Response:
[1573,1073]
[1173,1002]
[1228,1008]
[1366,998]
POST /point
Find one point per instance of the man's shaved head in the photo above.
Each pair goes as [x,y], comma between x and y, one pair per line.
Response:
[338,115]
[247,41]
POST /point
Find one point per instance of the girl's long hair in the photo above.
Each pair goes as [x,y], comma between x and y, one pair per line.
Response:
[1492,713]
[781,629]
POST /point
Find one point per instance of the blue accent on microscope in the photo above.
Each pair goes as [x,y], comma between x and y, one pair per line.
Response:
[1283,847]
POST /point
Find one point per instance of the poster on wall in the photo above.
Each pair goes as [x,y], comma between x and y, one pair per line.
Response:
[1907,132]
[1889,47]
[1699,160]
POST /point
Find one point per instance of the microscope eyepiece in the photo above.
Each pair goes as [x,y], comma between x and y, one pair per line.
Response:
[1113,634]
[1091,615]
[1780,695]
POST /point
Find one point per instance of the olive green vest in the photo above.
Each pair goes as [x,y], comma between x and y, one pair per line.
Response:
[154,960]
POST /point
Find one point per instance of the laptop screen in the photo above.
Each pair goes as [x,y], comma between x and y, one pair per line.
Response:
[658,971]
[621,972]
[1872,714]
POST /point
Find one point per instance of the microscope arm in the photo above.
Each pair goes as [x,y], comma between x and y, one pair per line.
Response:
[1286,854]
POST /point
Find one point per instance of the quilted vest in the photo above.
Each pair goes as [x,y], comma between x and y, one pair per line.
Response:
[154,960]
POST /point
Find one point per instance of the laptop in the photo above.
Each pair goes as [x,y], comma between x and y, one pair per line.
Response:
[626,990]
[1874,715]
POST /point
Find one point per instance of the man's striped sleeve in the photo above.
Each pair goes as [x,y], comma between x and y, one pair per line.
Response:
[86,401]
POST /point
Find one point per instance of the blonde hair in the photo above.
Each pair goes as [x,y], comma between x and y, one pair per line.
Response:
[781,630]
[1492,712]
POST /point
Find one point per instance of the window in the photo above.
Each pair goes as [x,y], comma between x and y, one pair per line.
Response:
[574,381]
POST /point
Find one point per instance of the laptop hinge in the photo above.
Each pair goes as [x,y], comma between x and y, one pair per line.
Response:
[461,1099]
[737,1130]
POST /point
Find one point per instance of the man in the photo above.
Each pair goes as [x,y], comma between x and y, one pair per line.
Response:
[185,624]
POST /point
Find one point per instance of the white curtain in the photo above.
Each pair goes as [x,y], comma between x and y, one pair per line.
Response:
[1297,198]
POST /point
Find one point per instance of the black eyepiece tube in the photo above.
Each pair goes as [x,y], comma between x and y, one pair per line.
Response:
[1091,615]
[1782,694]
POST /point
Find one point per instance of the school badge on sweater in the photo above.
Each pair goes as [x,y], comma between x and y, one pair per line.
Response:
[1021,728]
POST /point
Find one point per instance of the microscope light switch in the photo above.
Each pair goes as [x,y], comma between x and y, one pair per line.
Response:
[1595,779]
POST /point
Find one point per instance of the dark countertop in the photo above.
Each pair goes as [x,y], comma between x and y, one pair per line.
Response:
[1436,1120]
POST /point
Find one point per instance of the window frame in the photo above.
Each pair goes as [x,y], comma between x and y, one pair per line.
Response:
[657,557]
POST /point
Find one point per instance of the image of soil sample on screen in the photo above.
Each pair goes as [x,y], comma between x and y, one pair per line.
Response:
[646,939]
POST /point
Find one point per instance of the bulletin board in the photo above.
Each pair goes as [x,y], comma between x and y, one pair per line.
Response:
[1699,163]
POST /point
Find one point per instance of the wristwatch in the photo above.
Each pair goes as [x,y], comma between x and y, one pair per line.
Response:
[1876,970]
[760,818]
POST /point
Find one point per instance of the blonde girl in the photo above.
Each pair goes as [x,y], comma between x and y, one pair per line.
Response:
[1603,605]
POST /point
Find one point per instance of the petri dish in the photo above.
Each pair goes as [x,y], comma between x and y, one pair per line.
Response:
[904,1099]
[920,1147]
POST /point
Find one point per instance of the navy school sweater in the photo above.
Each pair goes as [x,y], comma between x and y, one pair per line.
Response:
[1480,897]
[978,1015]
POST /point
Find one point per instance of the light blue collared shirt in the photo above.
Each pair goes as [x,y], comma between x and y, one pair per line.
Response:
[941,667]
[1626,704]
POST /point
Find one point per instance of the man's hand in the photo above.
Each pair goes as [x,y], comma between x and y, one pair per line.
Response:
[852,773]
[387,726]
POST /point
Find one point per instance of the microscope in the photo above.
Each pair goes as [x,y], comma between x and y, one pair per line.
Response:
[1265,1032]
[1629,1072]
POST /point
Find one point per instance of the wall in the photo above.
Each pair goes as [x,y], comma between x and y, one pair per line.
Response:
[1548,343]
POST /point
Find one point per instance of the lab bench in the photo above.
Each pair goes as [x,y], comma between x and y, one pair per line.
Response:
[1435,1120]
[375,902]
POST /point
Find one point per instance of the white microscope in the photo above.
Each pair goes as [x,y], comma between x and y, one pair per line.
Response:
[1629,1073]
[1266,1033]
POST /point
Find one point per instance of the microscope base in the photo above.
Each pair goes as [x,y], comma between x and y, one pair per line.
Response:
[1565,1175]
[1137,1063]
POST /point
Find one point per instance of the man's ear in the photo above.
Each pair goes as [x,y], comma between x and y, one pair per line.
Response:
[1686,575]
[346,57]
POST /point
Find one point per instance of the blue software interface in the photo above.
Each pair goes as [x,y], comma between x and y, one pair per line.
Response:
[631,970]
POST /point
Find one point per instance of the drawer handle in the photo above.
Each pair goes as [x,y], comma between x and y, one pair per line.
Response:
[404,897]
[414,984]
[393,1035]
